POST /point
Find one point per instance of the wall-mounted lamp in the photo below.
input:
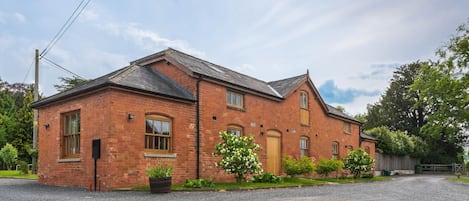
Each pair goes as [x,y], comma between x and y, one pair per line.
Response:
[214,118]
[46,126]
[130,116]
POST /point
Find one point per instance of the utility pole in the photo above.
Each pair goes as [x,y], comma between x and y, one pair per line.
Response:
[36,115]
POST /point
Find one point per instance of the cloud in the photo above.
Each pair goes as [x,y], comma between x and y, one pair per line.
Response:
[333,94]
[380,71]
[12,17]
[142,37]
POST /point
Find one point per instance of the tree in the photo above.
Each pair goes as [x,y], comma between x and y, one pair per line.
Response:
[398,143]
[69,83]
[9,155]
[358,162]
[397,108]
[443,87]
[239,155]
[24,128]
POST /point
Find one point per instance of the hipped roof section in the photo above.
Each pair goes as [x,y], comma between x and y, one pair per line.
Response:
[133,77]
[140,77]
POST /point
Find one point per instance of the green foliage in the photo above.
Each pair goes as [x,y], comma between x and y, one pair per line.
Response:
[443,87]
[69,83]
[358,162]
[396,108]
[398,143]
[23,167]
[9,155]
[238,155]
[295,167]
[160,171]
[325,167]
[199,183]
[266,178]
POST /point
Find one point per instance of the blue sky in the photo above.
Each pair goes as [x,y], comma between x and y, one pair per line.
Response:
[350,48]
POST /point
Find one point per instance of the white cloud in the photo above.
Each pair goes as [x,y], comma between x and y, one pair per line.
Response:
[12,18]
[142,37]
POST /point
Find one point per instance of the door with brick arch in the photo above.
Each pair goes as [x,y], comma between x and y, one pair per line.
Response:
[273,152]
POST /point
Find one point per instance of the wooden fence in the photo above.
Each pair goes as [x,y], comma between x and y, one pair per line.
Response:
[391,163]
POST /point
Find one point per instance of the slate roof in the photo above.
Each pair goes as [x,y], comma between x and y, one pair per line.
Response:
[283,87]
[132,77]
[367,137]
[145,79]
[335,111]
[214,71]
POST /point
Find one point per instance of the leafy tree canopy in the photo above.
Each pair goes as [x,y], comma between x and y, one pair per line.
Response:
[69,83]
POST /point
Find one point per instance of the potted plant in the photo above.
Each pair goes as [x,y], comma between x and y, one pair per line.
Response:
[160,178]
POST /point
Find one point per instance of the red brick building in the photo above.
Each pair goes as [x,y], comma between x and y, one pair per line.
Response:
[169,108]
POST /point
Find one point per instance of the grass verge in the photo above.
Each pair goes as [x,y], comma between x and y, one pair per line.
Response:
[462,179]
[287,182]
[16,174]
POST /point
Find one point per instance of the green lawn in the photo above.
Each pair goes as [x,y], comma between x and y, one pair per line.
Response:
[16,174]
[287,182]
[462,179]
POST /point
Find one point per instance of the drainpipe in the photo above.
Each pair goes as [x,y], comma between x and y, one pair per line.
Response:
[197,146]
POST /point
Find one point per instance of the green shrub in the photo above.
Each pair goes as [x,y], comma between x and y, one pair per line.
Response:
[23,167]
[9,154]
[266,178]
[368,175]
[295,167]
[325,167]
[199,183]
[358,162]
[160,171]
[239,155]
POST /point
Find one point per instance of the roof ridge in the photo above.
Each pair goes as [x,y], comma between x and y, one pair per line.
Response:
[217,65]
[302,75]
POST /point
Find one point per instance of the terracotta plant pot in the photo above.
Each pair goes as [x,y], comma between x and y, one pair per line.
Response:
[160,185]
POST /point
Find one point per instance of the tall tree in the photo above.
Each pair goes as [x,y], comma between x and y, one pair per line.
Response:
[69,83]
[396,108]
[24,129]
[444,89]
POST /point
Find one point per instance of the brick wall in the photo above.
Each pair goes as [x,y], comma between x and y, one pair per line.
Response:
[123,160]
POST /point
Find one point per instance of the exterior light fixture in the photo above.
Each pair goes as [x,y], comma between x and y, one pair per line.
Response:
[131,116]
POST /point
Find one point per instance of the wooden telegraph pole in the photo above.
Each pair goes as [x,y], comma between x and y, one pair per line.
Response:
[36,115]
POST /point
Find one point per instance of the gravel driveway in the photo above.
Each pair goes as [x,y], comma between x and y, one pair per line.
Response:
[428,187]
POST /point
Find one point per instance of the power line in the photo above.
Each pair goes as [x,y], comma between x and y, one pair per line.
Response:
[61,67]
[65,27]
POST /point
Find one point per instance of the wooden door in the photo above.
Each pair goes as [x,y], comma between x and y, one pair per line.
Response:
[273,152]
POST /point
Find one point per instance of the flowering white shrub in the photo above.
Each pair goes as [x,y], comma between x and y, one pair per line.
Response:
[239,157]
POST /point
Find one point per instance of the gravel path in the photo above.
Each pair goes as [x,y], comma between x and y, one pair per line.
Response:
[428,187]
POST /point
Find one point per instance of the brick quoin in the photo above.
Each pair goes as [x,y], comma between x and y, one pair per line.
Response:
[104,115]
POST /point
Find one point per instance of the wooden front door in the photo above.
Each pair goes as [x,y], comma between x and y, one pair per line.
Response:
[273,152]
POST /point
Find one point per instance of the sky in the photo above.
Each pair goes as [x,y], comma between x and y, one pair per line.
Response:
[350,48]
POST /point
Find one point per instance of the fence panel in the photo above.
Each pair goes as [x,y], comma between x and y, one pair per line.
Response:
[390,163]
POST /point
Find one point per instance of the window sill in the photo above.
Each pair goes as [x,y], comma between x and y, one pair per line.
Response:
[236,108]
[347,133]
[68,160]
[155,155]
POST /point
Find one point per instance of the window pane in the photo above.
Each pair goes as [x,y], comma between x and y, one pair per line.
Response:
[165,128]
[67,125]
[157,126]
[74,123]
[148,126]
[228,97]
